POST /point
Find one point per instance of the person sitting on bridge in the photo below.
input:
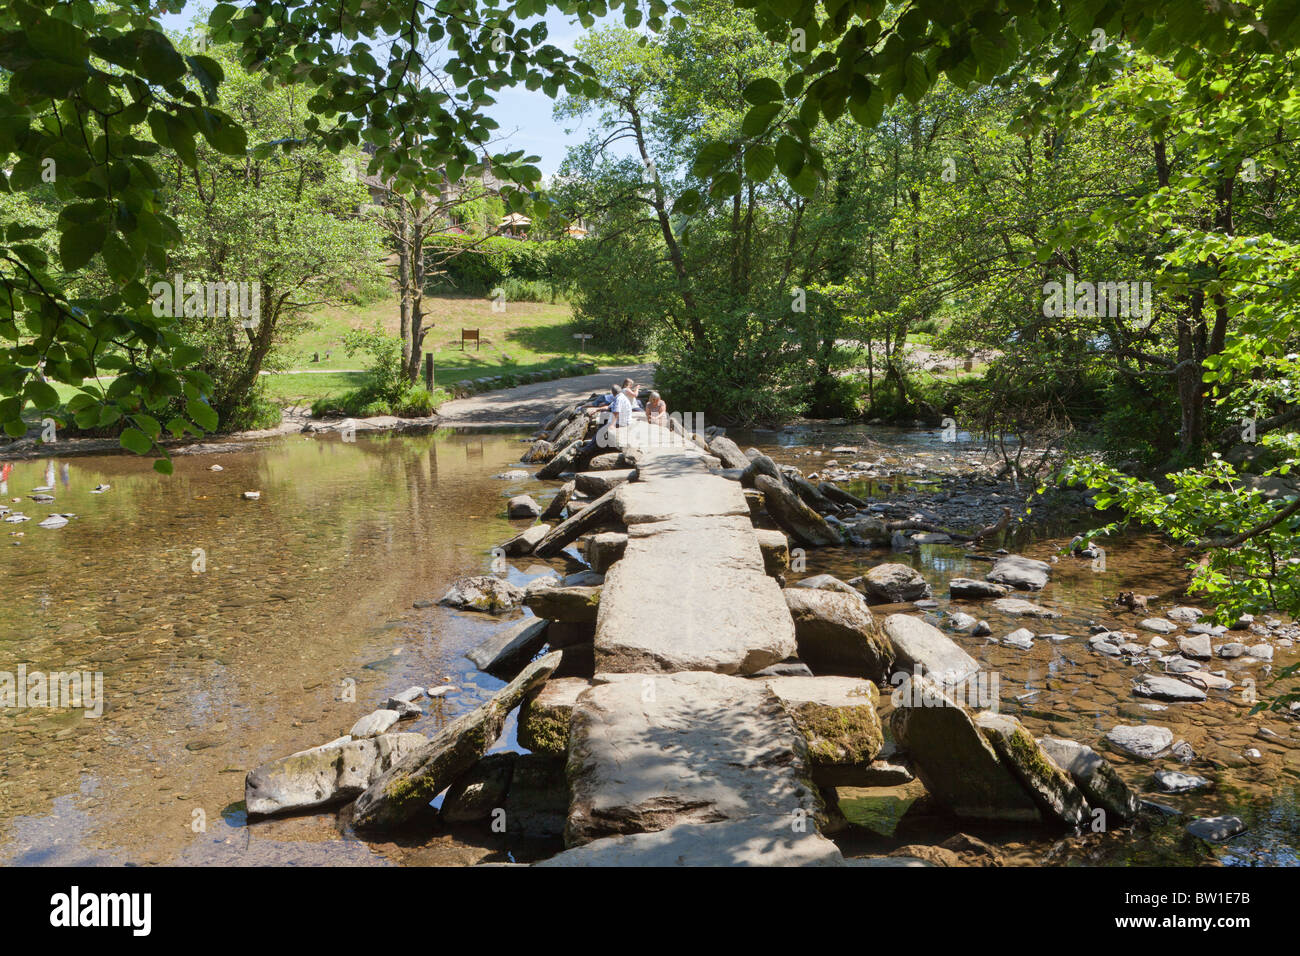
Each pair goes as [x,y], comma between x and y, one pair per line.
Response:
[656,409]
[604,402]
[636,402]
[623,404]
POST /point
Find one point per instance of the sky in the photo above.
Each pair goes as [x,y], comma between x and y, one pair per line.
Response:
[525,116]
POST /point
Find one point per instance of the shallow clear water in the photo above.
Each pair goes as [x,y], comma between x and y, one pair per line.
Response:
[208,673]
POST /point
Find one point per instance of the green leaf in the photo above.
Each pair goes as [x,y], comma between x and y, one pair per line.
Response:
[759,118]
[41,394]
[763,90]
[136,441]
[760,160]
[77,246]
[163,466]
[201,414]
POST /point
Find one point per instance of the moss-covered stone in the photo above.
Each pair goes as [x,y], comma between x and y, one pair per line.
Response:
[545,714]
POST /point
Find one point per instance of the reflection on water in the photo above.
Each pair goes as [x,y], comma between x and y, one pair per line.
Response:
[224,629]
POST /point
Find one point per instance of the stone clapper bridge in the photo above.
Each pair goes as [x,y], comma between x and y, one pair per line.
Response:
[688,742]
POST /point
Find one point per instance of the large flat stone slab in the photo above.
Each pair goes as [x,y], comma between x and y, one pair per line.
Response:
[692,595]
[749,842]
[663,496]
[648,752]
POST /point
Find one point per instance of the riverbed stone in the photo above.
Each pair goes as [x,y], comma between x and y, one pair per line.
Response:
[647,752]
[1197,647]
[836,634]
[1099,782]
[596,483]
[1047,784]
[894,583]
[545,713]
[374,723]
[1020,573]
[971,588]
[955,760]
[728,452]
[603,549]
[828,582]
[1143,741]
[524,542]
[570,604]
[837,717]
[483,592]
[505,653]
[794,516]
[1016,607]
[921,647]
[1166,688]
[481,790]
[555,507]
[1216,829]
[1158,624]
[748,842]
[522,506]
[1185,615]
[1022,638]
[1232,650]
[328,774]
[1174,781]
[775,548]
[404,790]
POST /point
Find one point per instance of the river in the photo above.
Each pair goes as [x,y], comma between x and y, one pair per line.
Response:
[233,631]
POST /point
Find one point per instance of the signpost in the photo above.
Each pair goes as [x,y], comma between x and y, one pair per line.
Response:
[582,337]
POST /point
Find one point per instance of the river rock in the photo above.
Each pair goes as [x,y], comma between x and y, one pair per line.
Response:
[728,452]
[328,774]
[869,529]
[545,714]
[838,495]
[1197,647]
[1230,651]
[537,802]
[961,621]
[561,462]
[374,723]
[1022,574]
[837,717]
[776,551]
[1166,688]
[922,648]
[538,452]
[647,752]
[1093,775]
[955,760]
[603,549]
[505,653]
[1159,625]
[1015,607]
[793,516]
[405,789]
[1185,615]
[555,507]
[596,483]
[1145,742]
[837,635]
[970,588]
[1216,829]
[479,791]
[828,582]
[524,542]
[894,584]
[1022,638]
[574,604]
[760,466]
[522,506]
[1173,781]
[1261,652]
[748,842]
[1047,784]
[483,592]
[602,510]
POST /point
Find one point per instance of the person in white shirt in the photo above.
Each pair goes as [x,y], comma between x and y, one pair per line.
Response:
[623,407]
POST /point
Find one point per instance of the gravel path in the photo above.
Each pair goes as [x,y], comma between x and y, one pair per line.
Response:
[527,404]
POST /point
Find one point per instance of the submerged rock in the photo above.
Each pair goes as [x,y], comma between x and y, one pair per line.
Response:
[971,588]
[483,592]
[1144,742]
[505,653]
[1216,829]
[1093,775]
[324,775]
[479,791]
[1166,688]
[1023,574]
